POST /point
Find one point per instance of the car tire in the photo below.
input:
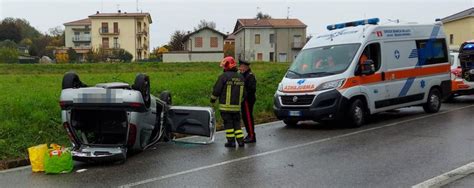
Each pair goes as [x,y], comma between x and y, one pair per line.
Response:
[290,123]
[434,101]
[71,80]
[356,114]
[142,84]
[165,96]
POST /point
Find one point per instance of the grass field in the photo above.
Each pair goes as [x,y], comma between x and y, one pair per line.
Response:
[29,109]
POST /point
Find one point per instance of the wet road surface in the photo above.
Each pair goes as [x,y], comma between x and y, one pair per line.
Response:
[396,149]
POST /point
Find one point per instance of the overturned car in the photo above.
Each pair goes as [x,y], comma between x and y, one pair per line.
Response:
[106,121]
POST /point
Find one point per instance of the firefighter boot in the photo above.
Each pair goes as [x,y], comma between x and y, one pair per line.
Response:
[230,143]
[250,139]
[241,142]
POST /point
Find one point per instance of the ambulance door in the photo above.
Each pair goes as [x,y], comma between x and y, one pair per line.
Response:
[373,85]
[401,58]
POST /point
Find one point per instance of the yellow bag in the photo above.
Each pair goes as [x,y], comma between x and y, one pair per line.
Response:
[36,154]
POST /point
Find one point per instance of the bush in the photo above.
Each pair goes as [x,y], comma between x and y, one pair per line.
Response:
[8,55]
[62,58]
[73,57]
[124,56]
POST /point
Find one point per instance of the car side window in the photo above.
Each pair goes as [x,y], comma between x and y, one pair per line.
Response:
[372,52]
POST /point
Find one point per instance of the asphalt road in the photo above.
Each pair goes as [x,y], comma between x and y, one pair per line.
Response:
[397,149]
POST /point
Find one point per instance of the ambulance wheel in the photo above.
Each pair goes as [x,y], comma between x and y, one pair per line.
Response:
[71,80]
[142,84]
[290,123]
[434,101]
[356,115]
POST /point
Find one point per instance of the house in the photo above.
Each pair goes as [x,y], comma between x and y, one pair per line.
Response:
[78,37]
[269,39]
[459,27]
[128,31]
[203,45]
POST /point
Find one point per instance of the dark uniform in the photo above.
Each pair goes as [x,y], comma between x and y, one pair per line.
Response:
[229,88]
[248,103]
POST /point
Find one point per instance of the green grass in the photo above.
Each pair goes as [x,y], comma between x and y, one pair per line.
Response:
[30,114]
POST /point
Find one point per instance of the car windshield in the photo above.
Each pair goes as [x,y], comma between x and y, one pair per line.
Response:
[322,61]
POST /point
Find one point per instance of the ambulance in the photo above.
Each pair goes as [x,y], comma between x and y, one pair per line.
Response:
[361,68]
[462,70]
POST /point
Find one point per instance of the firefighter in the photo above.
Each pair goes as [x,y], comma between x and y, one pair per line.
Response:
[249,100]
[229,89]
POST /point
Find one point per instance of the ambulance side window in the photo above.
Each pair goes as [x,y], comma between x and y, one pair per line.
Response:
[372,52]
[432,52]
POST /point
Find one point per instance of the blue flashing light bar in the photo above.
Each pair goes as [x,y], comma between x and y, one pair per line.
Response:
[371,21]
[468,47]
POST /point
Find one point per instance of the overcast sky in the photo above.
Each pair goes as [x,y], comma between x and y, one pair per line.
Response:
[171,15]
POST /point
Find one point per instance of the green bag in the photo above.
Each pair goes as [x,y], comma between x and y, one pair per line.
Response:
[58,160]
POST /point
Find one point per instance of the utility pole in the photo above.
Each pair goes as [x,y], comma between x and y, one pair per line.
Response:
[288,12]
[137,5]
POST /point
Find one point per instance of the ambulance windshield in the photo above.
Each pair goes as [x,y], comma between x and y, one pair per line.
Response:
[322,61]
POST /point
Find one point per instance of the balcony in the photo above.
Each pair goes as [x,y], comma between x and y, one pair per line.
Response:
[81,39]
[142,32]
[107,47]
[297,45]
[106,31]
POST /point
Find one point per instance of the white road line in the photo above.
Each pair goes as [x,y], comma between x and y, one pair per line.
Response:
[283,149]
[447,177]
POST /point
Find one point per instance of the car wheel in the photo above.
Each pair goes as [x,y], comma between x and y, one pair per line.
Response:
[356,115]
[142,84]
[290,123]
[434,101]
[165,96]
[71,80]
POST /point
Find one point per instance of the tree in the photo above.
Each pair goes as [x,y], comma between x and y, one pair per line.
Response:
[8,44]
[26,42]
[176,41]
[204,23]
[123,55]
[8,55]
[9,31]
[62,58]
[261,15]
[229,50]
[27,31]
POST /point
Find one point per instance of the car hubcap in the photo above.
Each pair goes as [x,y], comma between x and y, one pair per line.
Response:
[434,101]
[358,114]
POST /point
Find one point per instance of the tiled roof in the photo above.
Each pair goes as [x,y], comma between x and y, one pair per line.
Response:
[121,14]
[86,21]
[185,38]
[460,15]
[270,23]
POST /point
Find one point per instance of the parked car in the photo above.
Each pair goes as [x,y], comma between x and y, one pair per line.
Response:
[462,71]
[106,121]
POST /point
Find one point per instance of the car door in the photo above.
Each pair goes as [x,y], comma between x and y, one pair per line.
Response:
[199,121]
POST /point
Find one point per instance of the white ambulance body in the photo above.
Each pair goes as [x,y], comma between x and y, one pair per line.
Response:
[361,68]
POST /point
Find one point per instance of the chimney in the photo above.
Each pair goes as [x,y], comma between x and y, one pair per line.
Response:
[119,11]
[97,12]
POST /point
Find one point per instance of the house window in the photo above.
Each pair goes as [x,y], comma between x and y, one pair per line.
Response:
[116,44]
[272,38]
[105,42]
[214,42]
[116,29]
[198,42]
[451,39]
[257,38]
[259,57]
[105,27]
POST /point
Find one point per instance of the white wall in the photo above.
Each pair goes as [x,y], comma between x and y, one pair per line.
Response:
[192,57]
[206,35]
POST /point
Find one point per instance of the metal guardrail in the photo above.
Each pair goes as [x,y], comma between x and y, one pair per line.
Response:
[106,31]
[81,39]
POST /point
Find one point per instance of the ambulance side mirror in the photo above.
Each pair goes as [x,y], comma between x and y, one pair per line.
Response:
[367,67]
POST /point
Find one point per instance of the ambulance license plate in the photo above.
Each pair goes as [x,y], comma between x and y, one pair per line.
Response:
[294,113]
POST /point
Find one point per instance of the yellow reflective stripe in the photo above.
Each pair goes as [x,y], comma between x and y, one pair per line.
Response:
[230,135]
[241,93]
[230,106]
[213,97]
[228,94]
[239,136]
[229,109]
[238,131]
[229,130]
